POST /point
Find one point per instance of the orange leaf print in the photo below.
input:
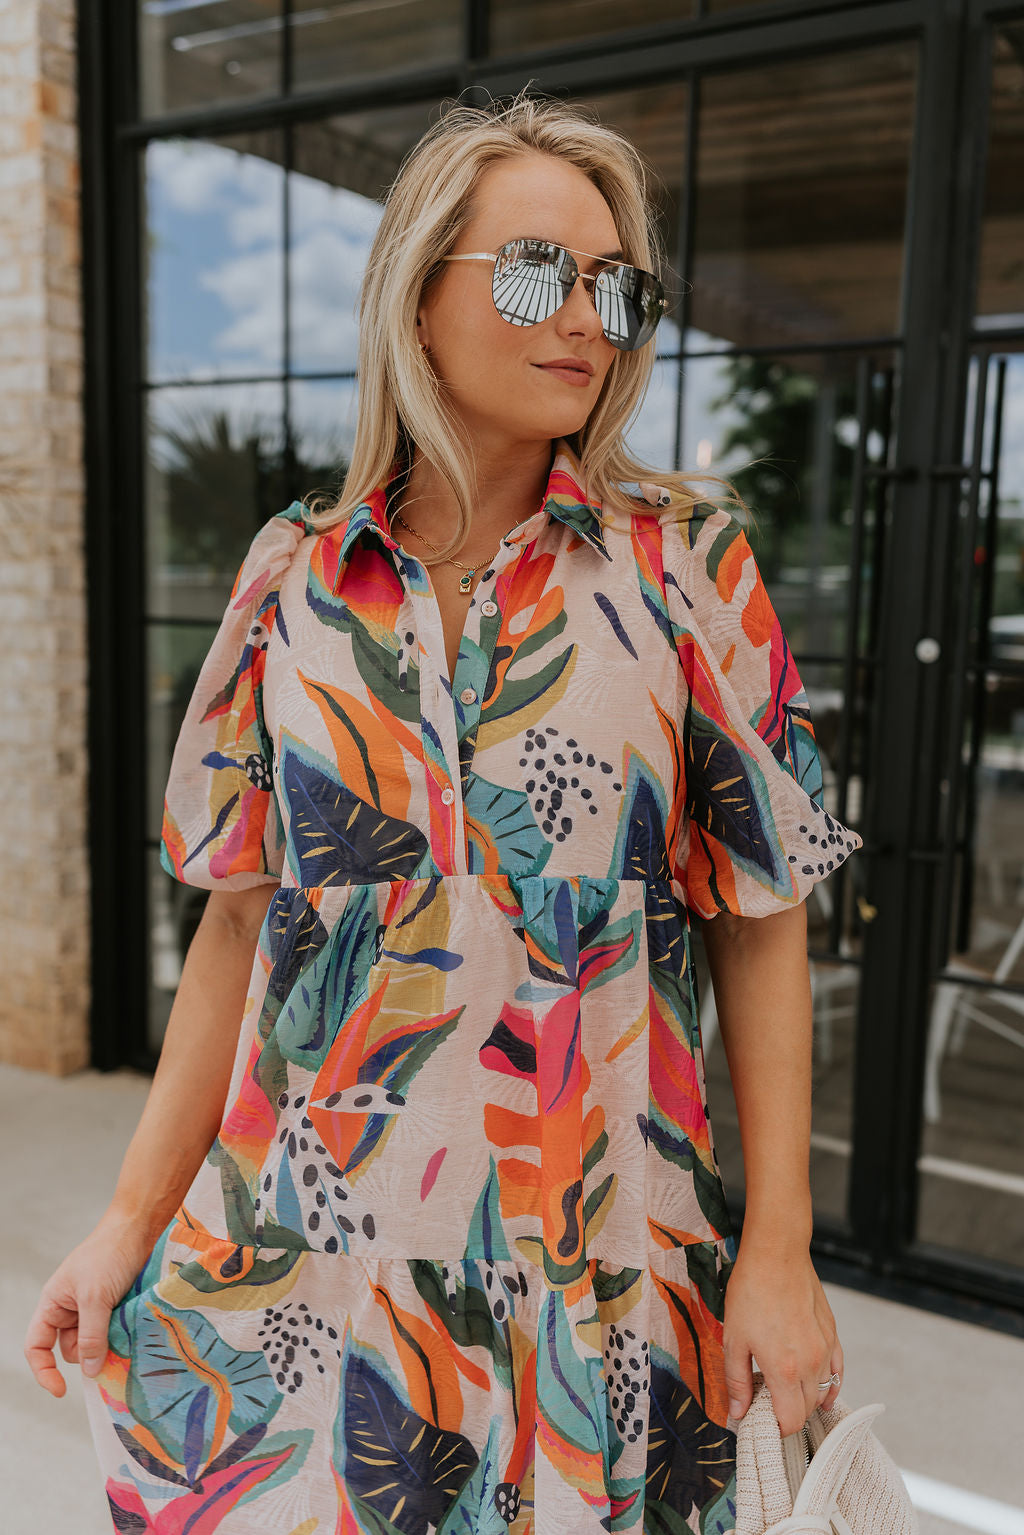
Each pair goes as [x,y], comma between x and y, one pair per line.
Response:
[730,567]
[758,616]
[430,1374]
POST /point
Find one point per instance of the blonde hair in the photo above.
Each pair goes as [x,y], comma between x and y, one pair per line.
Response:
[402,405]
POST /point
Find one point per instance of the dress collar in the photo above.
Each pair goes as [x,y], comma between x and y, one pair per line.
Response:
[563,498]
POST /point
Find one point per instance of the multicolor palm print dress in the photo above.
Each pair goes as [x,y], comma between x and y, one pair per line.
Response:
[455,1263]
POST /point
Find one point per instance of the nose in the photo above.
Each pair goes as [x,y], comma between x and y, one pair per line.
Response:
[581,295]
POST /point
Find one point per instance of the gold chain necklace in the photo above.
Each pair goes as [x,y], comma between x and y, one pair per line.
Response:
[464,581]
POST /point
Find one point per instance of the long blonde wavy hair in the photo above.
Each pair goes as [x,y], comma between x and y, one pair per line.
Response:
[402,405]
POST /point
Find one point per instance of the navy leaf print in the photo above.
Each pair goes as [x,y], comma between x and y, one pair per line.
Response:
[406,1469]
[338,838]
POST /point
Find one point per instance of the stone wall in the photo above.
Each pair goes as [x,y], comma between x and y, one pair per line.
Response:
[44,890]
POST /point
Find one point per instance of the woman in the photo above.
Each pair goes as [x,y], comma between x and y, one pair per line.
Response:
[422,1226]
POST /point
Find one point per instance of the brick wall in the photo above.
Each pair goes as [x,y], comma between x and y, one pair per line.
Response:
[44,891]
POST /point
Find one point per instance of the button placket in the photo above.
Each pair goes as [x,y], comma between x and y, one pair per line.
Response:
[453,717]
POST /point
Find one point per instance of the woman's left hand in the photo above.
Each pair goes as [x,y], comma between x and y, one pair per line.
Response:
[777,1311]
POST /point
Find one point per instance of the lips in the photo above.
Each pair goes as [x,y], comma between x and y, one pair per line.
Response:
[571,370]
[569,364]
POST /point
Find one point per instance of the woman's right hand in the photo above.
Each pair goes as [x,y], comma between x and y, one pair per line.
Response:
[78,1298]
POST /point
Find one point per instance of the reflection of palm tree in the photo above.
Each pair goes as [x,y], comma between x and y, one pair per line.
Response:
[224,476]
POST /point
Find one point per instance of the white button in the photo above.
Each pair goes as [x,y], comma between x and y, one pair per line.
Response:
[489,607]
[468,695]
[447,795]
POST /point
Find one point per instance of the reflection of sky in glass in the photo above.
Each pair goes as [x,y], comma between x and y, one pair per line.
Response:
[215,249]
[331,232]
[323,415]
[652,436]
[214,253]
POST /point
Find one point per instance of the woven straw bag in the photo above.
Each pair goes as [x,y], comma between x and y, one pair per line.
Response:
[832,1477]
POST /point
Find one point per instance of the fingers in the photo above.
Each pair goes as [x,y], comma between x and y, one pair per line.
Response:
[793,1398]
[68,1337]
[835,1366]
[83,1339]
[40,1337]
[739,1378]
[93,1325]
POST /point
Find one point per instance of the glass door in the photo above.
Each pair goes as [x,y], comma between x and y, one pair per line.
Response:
[971,1155]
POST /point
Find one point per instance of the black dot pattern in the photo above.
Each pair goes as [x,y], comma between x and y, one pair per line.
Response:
[330,1212]
[500,1289]
[298,1344]
[833,846]
[257,772]
[565,782]
[627,1369]
[506,1501]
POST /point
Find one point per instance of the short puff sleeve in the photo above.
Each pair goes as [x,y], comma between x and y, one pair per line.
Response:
[755,835]
[222,827]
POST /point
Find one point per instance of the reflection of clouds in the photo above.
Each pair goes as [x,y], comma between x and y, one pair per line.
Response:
[189,176]
[250,287]
[217,251]
[333,229]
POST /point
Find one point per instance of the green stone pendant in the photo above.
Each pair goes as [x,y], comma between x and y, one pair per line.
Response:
[465,582]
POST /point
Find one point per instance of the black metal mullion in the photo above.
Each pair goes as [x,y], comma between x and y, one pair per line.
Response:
[107,90]
[590,64]
[888,1074]
[287,54]
[476,28]
[973,672]
[850,670]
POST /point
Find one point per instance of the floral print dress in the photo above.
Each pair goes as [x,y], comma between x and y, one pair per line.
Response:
[456,1260]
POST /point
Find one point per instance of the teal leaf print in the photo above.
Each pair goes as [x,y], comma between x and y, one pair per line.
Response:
[500,819]
[122,1319]
[571,1392]
[181,1373]
[475,1511]
[324,993]
[486,1236]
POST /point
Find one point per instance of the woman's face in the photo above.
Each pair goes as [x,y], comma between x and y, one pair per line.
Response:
[494,371]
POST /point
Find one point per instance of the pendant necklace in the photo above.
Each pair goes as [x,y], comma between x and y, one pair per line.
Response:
[464,581]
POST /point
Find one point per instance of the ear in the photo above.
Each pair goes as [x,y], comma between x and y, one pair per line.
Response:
[422,331]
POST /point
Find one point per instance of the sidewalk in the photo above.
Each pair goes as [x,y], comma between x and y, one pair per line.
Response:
[952,1390]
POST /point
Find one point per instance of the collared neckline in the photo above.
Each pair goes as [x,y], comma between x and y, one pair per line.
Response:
[563,497]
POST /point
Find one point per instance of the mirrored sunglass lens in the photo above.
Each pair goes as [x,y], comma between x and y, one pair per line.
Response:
[630,303]
[531,280]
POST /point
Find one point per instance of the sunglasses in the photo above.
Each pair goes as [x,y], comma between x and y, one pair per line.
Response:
[533,279]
